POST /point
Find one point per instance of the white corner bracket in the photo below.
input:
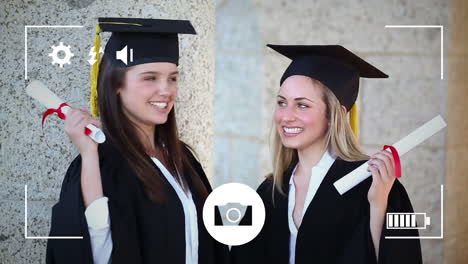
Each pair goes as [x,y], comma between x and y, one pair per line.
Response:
[441,222]
[441,41]
[26,222]
[26,41]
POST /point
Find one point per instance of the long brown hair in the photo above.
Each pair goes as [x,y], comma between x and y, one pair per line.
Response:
[339,139]
[122,133]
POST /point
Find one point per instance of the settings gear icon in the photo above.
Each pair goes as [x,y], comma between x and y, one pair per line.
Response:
[55,54]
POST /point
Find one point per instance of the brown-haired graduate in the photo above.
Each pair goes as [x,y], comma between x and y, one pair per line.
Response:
[138,197]
[307,220]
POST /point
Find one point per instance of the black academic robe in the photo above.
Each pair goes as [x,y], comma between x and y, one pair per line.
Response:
[334,229]
[142,231]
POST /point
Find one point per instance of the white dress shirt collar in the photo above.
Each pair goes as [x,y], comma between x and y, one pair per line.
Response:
[318,173]
[190,212]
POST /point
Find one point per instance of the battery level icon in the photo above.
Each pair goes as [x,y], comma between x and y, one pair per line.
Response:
[407,221]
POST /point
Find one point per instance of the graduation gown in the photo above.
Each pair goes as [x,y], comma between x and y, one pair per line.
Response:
[334,229]
[142,231]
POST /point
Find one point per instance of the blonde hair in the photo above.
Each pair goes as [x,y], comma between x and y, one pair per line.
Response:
[339,139]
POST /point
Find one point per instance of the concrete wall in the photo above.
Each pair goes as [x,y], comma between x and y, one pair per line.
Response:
[39,158]
[248,73]
[239,135]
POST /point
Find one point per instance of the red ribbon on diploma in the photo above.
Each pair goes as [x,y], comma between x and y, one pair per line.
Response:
[396,158]
[52,110]
[61,115]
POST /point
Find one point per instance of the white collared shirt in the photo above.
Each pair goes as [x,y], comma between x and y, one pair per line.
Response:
[317,175]
[97,216]
[190,212]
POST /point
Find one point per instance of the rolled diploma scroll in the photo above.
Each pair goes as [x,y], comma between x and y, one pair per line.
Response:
[41,93]
[404,145]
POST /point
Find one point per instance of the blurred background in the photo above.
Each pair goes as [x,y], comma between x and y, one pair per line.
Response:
[227,95]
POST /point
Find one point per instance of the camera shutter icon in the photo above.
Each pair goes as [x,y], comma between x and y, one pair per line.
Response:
[234,214]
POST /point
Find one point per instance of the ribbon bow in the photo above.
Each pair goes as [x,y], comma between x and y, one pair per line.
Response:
[50,111]
[61,115]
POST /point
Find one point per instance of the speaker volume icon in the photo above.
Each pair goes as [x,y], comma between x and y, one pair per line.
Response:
[122,55]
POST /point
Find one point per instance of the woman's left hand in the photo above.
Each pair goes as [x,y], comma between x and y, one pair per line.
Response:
[382,167]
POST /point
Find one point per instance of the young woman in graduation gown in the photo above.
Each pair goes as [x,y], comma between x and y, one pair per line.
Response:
[138,197]
[307,220]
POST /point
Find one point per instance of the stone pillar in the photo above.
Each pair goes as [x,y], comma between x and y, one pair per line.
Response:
[237,116]
[39,158]
[456,227]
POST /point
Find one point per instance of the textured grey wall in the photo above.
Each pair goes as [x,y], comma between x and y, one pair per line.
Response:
[239,136]
[390,108]
[39,158]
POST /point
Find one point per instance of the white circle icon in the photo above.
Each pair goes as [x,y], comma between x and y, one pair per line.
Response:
[242,214]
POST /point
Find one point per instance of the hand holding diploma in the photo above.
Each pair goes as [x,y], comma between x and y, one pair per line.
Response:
[404,145]
[40,92]
[382,167]
[75,122]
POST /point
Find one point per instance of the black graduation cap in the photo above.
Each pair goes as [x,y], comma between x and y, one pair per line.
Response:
[140,40]
[333,65]
[136,41]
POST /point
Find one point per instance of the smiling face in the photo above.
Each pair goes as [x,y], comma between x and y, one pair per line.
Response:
[300,114]
[149,93]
